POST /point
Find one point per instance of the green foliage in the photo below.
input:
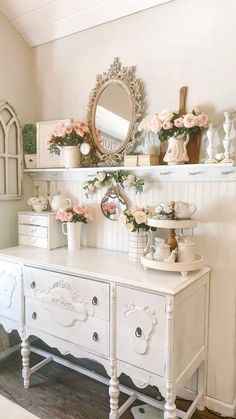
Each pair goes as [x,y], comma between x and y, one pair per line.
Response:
[29,138]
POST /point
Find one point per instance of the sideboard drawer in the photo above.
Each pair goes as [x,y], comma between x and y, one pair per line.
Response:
[141,329]
[33,241]
[10,290]
[68,291]
[34,231]
[38,220]
[75,325]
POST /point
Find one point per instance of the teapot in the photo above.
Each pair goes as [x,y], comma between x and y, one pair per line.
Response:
[59,201]
[161,249]
[184,210]
[186,249]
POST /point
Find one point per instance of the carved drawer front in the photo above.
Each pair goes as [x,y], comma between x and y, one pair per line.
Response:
[141,329]
[10,276]
[33,241]
[76,326]
[34,231]
[38,220]
[69,292]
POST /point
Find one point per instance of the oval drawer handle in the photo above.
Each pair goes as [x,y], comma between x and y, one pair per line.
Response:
[33,284]
[138,332]
[95,336]
[34,315]
[95,301]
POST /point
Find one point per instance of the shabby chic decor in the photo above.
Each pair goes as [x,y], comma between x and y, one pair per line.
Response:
[115,108]
[230,116]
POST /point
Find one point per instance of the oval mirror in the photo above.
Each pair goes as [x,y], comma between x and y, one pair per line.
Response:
[113,204]
[113,117]
[115,108]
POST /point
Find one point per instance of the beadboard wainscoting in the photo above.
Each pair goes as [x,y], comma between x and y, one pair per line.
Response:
[215,240]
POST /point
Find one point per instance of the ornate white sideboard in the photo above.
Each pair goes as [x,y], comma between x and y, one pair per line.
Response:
[95,304]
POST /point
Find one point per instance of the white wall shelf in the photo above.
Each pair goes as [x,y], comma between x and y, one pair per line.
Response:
[188,172]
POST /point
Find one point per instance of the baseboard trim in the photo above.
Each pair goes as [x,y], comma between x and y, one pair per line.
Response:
[218,406]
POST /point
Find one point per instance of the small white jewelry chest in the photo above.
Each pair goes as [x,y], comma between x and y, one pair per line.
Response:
[40,230]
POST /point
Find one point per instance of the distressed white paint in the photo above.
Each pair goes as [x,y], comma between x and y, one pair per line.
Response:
[216,203]
[42,21]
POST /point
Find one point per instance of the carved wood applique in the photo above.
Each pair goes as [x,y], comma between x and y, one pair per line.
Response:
[141,323]
[62,296]
[7,288]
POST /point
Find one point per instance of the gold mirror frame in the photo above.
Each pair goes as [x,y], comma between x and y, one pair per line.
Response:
[133,86]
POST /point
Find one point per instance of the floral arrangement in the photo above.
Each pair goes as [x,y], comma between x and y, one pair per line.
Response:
[107,178]
[165,211]
[135,219]
[68,135]
[168,123]
[76,214]
[39,203]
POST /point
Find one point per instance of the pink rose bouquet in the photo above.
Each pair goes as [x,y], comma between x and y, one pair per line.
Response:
[77,214]
[68,135]
[171,124]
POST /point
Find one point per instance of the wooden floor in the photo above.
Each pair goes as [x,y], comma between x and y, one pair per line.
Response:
[59,393]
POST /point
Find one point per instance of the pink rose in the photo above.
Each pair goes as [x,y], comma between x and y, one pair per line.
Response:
[79,210]
[68,129]
[155,124]
[79,132]
[165,115]
[167,125]
[179,122]
[85,128]
[189,120]
[202,120]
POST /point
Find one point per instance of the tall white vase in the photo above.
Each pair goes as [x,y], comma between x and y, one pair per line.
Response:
[177,150]
[137,243]
[73,233]
[72,156]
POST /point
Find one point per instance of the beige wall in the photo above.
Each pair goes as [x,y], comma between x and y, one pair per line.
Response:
[16,86]
[185,42]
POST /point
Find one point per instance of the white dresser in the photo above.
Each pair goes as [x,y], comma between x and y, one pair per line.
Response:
[149,325]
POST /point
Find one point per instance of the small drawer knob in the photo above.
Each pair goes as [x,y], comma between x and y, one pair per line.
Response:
[138,332]
[34,315]
[33,284]
[95,301]
[95,336]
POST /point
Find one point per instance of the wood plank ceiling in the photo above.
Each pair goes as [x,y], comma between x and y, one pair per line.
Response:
[40,21]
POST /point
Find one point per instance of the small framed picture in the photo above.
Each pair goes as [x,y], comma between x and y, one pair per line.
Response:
[44,158]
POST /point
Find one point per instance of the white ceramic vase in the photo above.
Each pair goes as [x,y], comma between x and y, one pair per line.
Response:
[73,233]
[72,156]
[177,150]
[137,244]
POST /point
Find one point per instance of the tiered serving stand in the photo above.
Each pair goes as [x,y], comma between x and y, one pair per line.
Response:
[172,225]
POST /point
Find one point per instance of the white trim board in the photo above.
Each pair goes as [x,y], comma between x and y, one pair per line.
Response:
[50,20]
[218,406]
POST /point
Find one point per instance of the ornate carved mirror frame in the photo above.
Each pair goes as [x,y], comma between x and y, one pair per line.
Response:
[125,76]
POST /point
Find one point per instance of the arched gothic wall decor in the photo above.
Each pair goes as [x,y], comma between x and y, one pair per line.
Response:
[10,153]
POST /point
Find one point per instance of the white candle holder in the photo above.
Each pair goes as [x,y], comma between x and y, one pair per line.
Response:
[211,148]
[227,125]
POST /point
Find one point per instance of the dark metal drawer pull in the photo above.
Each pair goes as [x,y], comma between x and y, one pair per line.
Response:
[95,301]
[34,315]
[33,284]
[138,332]
[95,336]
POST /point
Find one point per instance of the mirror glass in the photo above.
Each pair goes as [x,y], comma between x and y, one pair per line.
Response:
[113,117]
[113,204]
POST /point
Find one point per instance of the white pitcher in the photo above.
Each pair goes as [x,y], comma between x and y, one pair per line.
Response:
[184,210]
[73,233]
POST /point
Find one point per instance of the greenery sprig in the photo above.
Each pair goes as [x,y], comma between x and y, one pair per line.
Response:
[105,179]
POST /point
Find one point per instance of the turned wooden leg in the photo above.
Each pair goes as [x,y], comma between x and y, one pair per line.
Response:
[170,408]
[114,392]
[25,353]
[171,240]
